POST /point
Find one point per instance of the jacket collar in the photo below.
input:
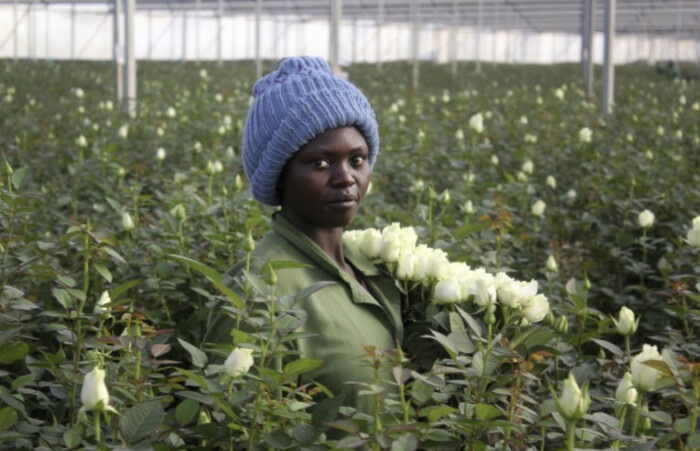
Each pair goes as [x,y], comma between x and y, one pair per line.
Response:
[312,250]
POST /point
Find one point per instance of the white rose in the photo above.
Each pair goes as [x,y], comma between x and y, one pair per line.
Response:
[447,291]
[81,141]
[693,235]
[127,222]
[123,131]
[406,267]
[438,265]
[239,362]
[645,377]
[626,325]
[476,123]
[559,94]
[573,402]
[551,182]
[646,219]
[537,309]
[538,208]
[160,154]
[585,135]
[104,300]
[625,392]
[528,167]
[94,394]
[370,243]
[170,112]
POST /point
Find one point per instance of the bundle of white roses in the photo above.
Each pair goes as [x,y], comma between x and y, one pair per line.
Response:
[451,282]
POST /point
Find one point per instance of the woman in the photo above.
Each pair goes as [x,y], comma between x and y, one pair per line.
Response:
[310,141]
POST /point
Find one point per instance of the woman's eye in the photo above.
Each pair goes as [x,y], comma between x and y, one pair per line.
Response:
[320,164]
[358,160]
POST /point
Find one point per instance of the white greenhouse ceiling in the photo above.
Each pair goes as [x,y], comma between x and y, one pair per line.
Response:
[678,18]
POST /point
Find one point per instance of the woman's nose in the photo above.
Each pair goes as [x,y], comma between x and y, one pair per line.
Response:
[342,175]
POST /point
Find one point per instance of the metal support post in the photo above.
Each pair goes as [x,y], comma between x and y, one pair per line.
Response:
[118,53]
[258,60]
[414,43]
[72,31]
[218,31]
[453,37]
[130,67]
[609,64]
[480,18]
[380,22]
[336,14]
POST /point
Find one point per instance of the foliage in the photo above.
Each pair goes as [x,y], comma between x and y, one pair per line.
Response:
[475,383]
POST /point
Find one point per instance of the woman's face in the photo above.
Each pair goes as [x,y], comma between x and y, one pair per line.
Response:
[325,181]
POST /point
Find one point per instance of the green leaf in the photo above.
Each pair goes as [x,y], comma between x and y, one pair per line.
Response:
[301,366]
[63,298]
[659,417]
[609,346]
[114,254]
[186,411]
[104,272]
[199,358]
[694,441]
[473,324]
[8,417]
[438,412]
[124,287]
[213,276]
[13,352]
[577,293]
[71,438]
[303,433]
[141,420]
[23,380]
[19,176]
[67,281]
[406,442]
[404,219]
[486,412]
[468,229]
[278,440]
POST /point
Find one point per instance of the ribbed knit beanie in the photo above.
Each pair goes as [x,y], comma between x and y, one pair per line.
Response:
[293,105]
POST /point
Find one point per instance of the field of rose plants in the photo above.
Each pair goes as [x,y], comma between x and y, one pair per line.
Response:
[549,260]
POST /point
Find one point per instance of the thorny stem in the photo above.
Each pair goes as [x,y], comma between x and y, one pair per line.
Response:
[627,348]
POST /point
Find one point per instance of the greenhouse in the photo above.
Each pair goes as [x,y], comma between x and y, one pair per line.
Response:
[328,224]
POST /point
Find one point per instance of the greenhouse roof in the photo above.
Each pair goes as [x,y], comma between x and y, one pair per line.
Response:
[680,18]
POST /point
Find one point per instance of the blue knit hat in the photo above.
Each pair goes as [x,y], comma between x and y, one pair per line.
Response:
[293,105]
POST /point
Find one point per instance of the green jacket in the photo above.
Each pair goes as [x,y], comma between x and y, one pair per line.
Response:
[343,316]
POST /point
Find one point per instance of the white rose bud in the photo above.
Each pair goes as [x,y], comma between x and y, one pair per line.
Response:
[626,325]
[528,167]
[81,141]
[538,208]
[573,402]
[160,154]
[625,392]
[494,160]
[468,207]
[218,167]
[104,300]
[371,243]
[585,135]
[459,135]
[551,264]
[559,94]
[571,194]
[476,123]
[551,182]
[646,219]
[693,235]
[406,268]
[123,131]
[127,222]
[644,377]
[239,362]
[179,212]
[94,394]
